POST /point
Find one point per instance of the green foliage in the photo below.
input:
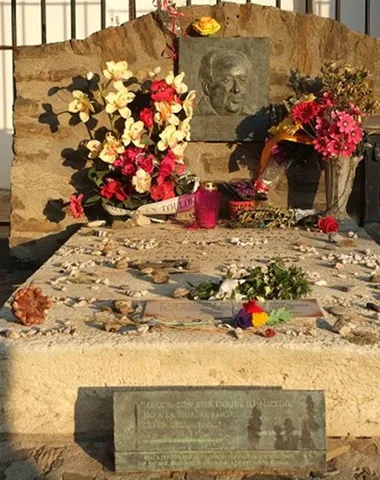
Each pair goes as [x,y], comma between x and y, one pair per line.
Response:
[276,281]
[276,317]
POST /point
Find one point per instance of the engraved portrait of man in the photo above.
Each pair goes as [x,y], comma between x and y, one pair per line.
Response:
[226,81]
[231,78]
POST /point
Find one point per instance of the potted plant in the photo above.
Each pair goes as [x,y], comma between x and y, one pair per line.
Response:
[245,193]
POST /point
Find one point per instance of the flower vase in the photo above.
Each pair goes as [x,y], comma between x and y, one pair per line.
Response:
[339,180]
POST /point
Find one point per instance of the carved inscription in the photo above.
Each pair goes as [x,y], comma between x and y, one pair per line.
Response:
[156,429]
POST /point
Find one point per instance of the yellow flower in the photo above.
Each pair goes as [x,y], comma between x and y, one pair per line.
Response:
[142,181]
[170,138]
[165,113]
[111,149]
[185,127]
[95,148]
[188,104]
[176,82]
[259,319]
[286,126]
[134,132]
[206,26]
[81,104]
[118,101]
[117,71]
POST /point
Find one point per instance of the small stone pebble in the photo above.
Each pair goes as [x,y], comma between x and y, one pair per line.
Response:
[123,306]
[343,327]
[238,332]
[143,329]
[181,293]
[121,264]
[338,311]
[321,283]
[373,307]
[12,334]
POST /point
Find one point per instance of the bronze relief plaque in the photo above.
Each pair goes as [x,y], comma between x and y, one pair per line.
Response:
[256,430]
[231,78]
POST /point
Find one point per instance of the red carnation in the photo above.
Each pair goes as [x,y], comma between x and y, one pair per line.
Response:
[304,112]
[162,92]
[76,207]
[113,189]
[164,191]
[328,224]
[147,116]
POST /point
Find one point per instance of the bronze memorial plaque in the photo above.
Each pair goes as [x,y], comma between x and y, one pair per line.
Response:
[247,429]
[231,78]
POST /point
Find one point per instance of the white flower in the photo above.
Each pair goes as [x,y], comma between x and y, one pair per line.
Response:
[142,181]
[165,113]
[155,72]
[118,101]
[90,75]
[81,104]
[111,149]
[185,127]
[134,132]
[95,148]
[179,150]
[176,82]
[188,104]
[170,138]
[117,71]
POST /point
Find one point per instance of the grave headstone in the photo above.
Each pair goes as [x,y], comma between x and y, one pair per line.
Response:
[259,430]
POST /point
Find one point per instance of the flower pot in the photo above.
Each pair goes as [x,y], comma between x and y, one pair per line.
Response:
[339,180]
[237,206]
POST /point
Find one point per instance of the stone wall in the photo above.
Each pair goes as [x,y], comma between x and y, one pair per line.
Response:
[42,168]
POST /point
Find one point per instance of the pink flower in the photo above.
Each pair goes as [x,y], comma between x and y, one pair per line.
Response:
[76,207]
[356,135]
[327,100]
[345,122]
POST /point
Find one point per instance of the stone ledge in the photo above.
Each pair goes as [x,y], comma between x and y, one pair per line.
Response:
[61,384]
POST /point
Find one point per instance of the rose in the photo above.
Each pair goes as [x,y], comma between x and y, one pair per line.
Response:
[141,181]
[328,224]
[162,92]
[76,207]
[146,162]
[113,188]
[206,26]
[164,191]
[147,116]
[243,319]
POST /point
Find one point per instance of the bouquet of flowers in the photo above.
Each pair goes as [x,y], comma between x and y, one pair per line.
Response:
[138,155]
[328,111]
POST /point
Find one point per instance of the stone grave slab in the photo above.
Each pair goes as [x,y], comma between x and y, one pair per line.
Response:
[267,430]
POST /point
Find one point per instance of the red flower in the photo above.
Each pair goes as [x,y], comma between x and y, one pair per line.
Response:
[164,191]
[269,333]
[76,207]
[252,307]
[328,224]
[113,189]
[162,92]
[167,167]
[147,116]
[304,112]
[146,162]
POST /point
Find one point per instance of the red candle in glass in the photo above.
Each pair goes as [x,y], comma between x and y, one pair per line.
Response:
[207,204]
